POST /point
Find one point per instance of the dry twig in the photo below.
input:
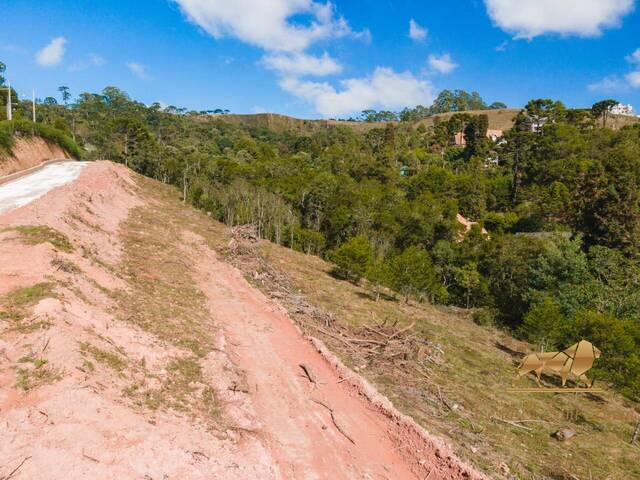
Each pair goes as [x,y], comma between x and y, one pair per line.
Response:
[15,470]
[512,423]
[309,373]
[333,419]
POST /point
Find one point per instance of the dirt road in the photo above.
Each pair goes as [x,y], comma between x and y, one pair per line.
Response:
[91,387]
[25,190]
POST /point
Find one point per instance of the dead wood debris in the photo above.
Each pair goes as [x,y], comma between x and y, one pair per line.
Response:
[382,347]
[333,419]
[636,433]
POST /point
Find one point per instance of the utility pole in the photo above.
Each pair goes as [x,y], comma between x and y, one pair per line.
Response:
[9,110]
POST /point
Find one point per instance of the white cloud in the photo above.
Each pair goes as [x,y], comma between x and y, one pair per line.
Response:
[384,89]
[416,32]
[531,18]
[610,84]
[92,60]
[615,83]
[137,69]
[442,64]
[634,79]
[268,24]
[502,47]
[634,57]
[258,109]
[300,64]
[52,53]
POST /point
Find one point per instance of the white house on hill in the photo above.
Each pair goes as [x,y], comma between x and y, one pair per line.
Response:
[622,109]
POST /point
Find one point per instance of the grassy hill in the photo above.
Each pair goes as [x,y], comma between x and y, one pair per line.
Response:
[500,119]
[279,123]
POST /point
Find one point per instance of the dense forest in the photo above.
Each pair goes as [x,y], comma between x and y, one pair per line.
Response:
[558,196]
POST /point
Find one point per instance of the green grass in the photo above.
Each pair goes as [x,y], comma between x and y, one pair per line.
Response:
[115,361]
[37,234]
[16,304]
[39,373]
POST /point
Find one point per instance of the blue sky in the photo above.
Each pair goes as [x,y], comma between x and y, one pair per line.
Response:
[312,59]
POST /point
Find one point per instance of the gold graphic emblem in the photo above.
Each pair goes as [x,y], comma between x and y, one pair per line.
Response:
[575,360]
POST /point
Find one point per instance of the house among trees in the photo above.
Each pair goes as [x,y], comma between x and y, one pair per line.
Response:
[493,135]
[536,124]
[622,109]
[467,224]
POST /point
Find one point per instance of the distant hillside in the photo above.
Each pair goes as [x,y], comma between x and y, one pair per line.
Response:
[500,119]
[277,122]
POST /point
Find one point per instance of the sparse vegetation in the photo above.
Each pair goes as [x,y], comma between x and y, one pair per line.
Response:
[16,304]
[114,360]
[37,234]
[37,374]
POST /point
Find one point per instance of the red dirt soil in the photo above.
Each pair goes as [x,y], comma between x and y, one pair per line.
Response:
[30,152]
[286,427]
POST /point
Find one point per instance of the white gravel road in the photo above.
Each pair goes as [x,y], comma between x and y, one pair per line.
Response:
[20,192]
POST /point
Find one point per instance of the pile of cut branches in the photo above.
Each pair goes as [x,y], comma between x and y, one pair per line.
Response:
[382,347]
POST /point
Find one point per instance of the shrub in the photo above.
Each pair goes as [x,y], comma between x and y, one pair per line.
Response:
[544,323]
[352,258]
[485,317]
[412,273]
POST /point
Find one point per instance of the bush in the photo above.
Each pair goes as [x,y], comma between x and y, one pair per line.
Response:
[412,273]
[352,258]
[544,323]
[619,342]
[485,317]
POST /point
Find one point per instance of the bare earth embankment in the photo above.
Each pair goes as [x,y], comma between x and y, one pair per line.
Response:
[30,152]
[131,349]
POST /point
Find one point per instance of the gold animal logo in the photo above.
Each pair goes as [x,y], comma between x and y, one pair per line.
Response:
[576,360]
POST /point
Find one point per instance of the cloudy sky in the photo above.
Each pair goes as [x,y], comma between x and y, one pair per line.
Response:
[311,58]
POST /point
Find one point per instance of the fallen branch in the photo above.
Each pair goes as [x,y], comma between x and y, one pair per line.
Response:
[636,433]
[14,471]
[509,422]
[309,373]
[333,419]
[88,457]
[329,334]
[402,330]
[367,340]
[375,330]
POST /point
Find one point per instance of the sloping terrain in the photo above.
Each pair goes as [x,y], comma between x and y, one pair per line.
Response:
[454,380]
[131,348]
[30,152]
